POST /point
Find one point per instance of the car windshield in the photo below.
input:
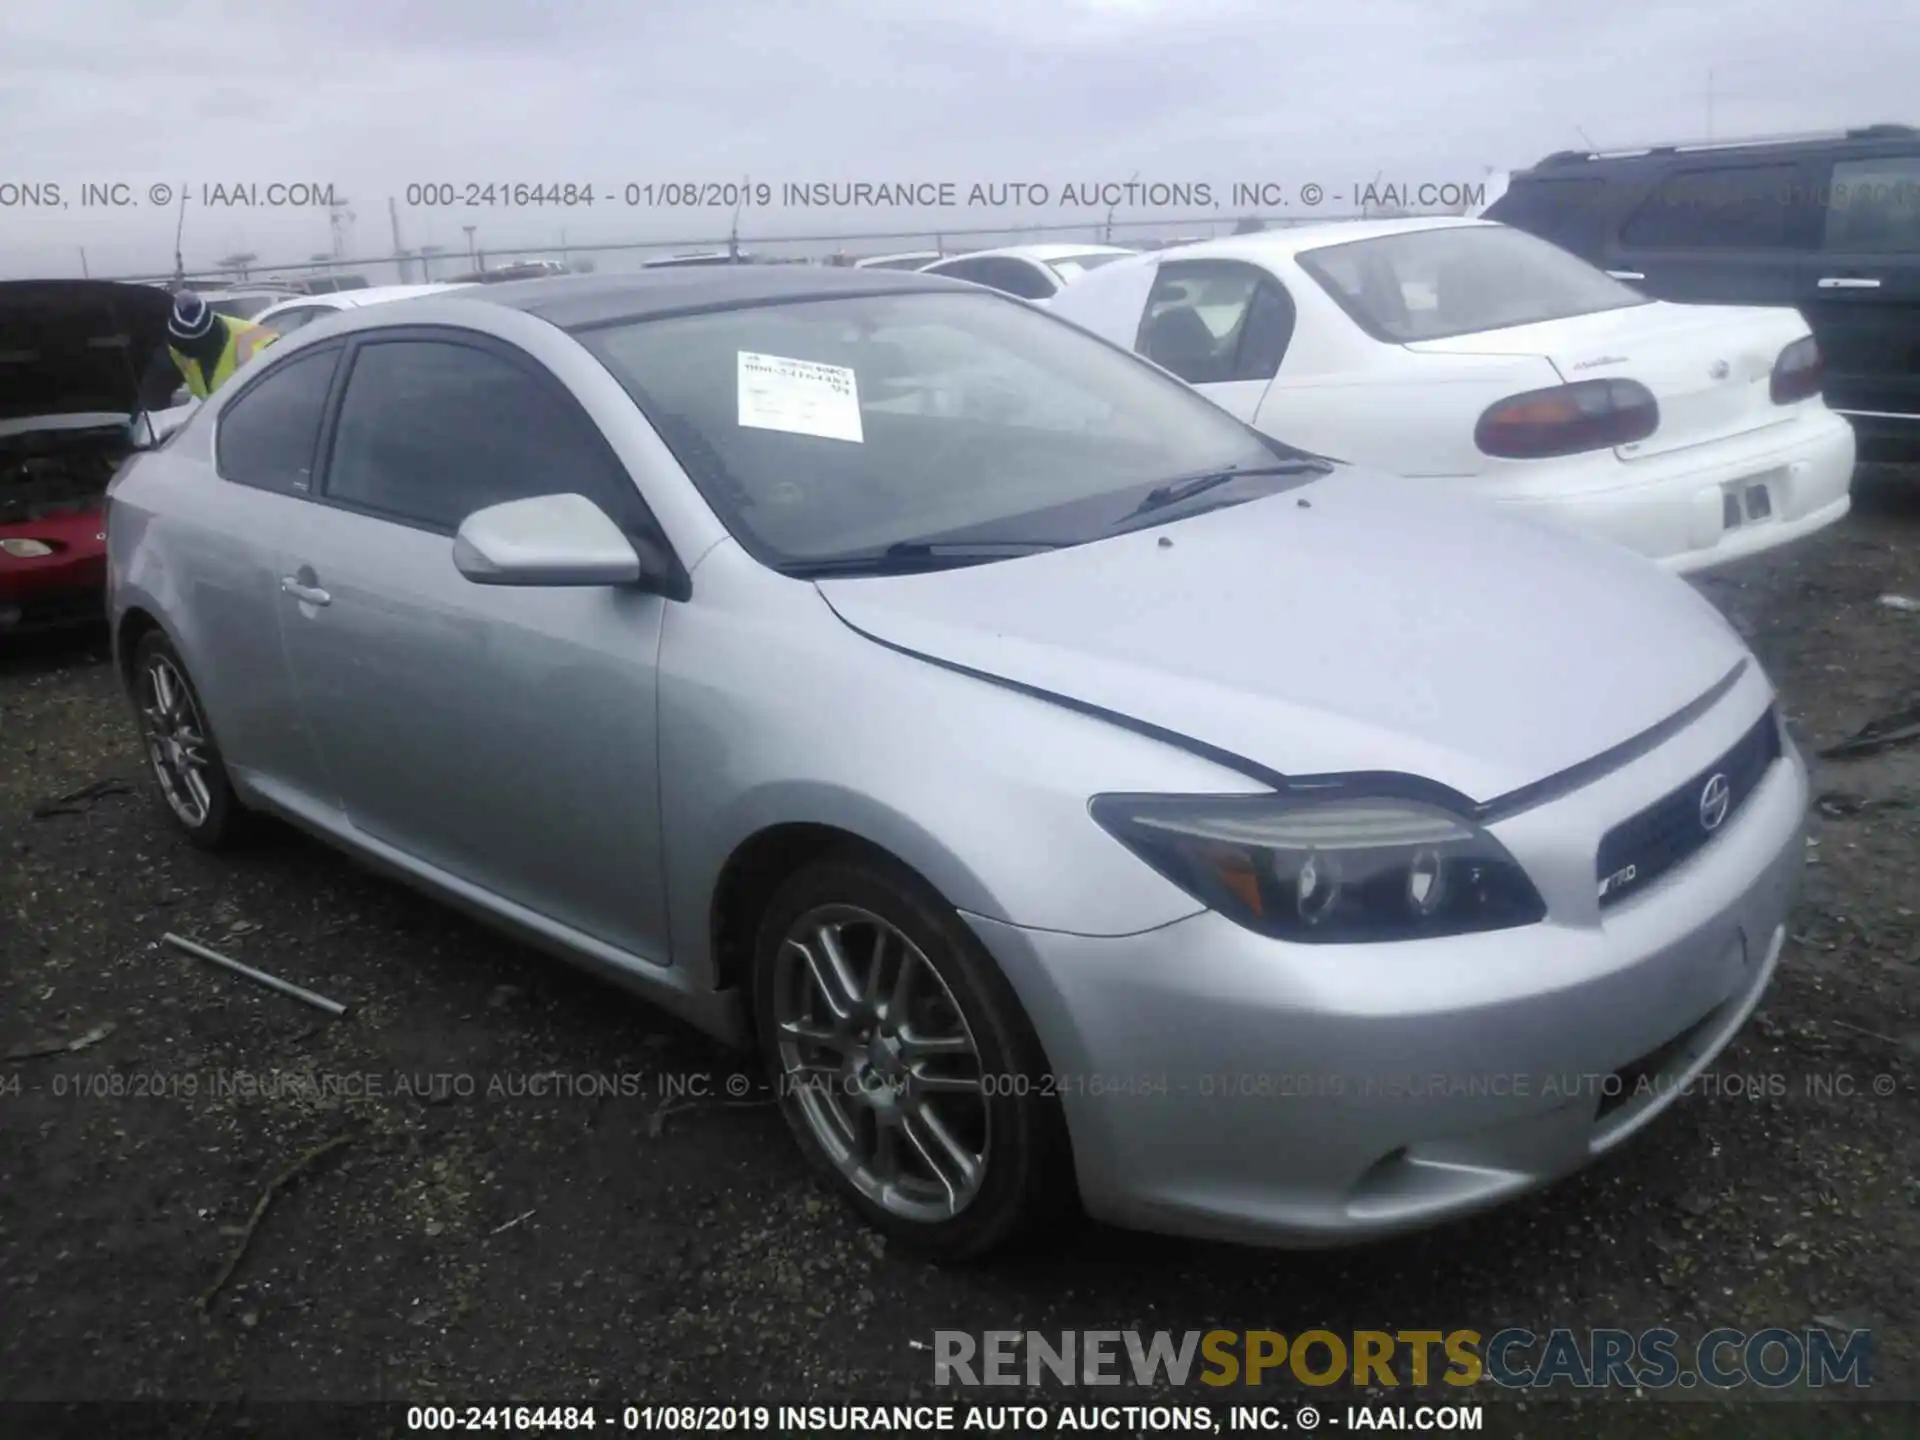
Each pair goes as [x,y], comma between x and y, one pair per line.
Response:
[837,428]
[1458,280]
[1071,267]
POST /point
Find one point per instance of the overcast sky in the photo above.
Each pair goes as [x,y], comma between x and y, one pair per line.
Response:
[371,95]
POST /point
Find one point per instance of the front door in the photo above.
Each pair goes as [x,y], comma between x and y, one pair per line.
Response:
[504,736]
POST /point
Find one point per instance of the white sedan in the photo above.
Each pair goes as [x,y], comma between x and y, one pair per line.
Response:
[1029,272]
[1475,355]
[290,315]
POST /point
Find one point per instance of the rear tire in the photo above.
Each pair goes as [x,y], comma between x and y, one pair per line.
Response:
[903,1063]
[189,775]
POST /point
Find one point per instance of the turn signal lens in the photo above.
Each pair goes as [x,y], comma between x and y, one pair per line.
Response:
[1568,420]
[1798,373]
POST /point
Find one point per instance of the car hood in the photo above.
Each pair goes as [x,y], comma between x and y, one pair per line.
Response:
[1361,623]
[76,347]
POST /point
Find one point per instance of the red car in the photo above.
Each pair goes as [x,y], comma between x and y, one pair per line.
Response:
[73,358]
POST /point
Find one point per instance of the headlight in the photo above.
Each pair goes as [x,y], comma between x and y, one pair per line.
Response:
[26,549]
[1327,871]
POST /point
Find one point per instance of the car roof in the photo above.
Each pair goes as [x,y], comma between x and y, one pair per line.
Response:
[1864,140]
[1284,244]
[1044,253]
[378,294]
[576,301]
[354,299]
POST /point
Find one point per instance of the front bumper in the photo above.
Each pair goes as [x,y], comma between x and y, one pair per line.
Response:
[1220,1084]
[67,587]
[1675,508]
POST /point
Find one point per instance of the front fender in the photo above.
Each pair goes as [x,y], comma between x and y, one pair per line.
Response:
[981,790]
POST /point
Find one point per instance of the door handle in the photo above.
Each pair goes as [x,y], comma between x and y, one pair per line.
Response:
[1847,282]
[1626,274]
[305,594]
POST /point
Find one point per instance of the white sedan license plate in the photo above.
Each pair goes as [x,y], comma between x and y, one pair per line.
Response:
[1745,501]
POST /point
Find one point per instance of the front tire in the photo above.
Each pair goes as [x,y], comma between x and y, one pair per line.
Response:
[903,1062]
[189,776]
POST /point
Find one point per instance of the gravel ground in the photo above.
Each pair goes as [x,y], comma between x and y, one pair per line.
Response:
[474,1242]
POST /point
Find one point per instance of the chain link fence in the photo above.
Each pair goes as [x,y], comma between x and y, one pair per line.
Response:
[432,263]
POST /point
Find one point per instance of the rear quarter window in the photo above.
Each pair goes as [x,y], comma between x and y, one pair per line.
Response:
[268,434]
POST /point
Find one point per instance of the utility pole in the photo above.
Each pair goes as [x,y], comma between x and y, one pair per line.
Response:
[399,250]
[339,217]
[1110,209]
[1709,104]
[470,250]
[85,273]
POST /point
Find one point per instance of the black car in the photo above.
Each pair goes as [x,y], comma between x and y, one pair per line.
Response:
[1829,224]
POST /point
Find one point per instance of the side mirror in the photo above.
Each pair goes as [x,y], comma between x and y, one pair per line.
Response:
[545,540]
[149,429]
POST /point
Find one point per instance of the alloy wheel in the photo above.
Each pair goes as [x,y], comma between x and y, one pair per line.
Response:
[878,1057]
[176,742]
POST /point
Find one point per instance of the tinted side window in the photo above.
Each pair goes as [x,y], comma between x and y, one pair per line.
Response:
[432,430]
[1264,333]
[1017,277]
[1721,208]
[1212,323]
[973,271]
[1873,206]
[267,436]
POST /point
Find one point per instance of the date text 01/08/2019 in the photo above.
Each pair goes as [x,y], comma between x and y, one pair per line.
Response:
[923,1419]
[935,195]
[674,1419]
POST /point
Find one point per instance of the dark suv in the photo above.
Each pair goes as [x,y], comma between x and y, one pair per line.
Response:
[1829,224]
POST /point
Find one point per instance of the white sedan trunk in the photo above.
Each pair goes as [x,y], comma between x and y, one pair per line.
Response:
[1710,369]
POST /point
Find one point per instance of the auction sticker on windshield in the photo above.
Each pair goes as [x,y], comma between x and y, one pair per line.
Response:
[801,397]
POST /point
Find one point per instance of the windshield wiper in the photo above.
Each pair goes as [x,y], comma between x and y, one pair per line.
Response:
[986,549]
[905,556]
[1185,487]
